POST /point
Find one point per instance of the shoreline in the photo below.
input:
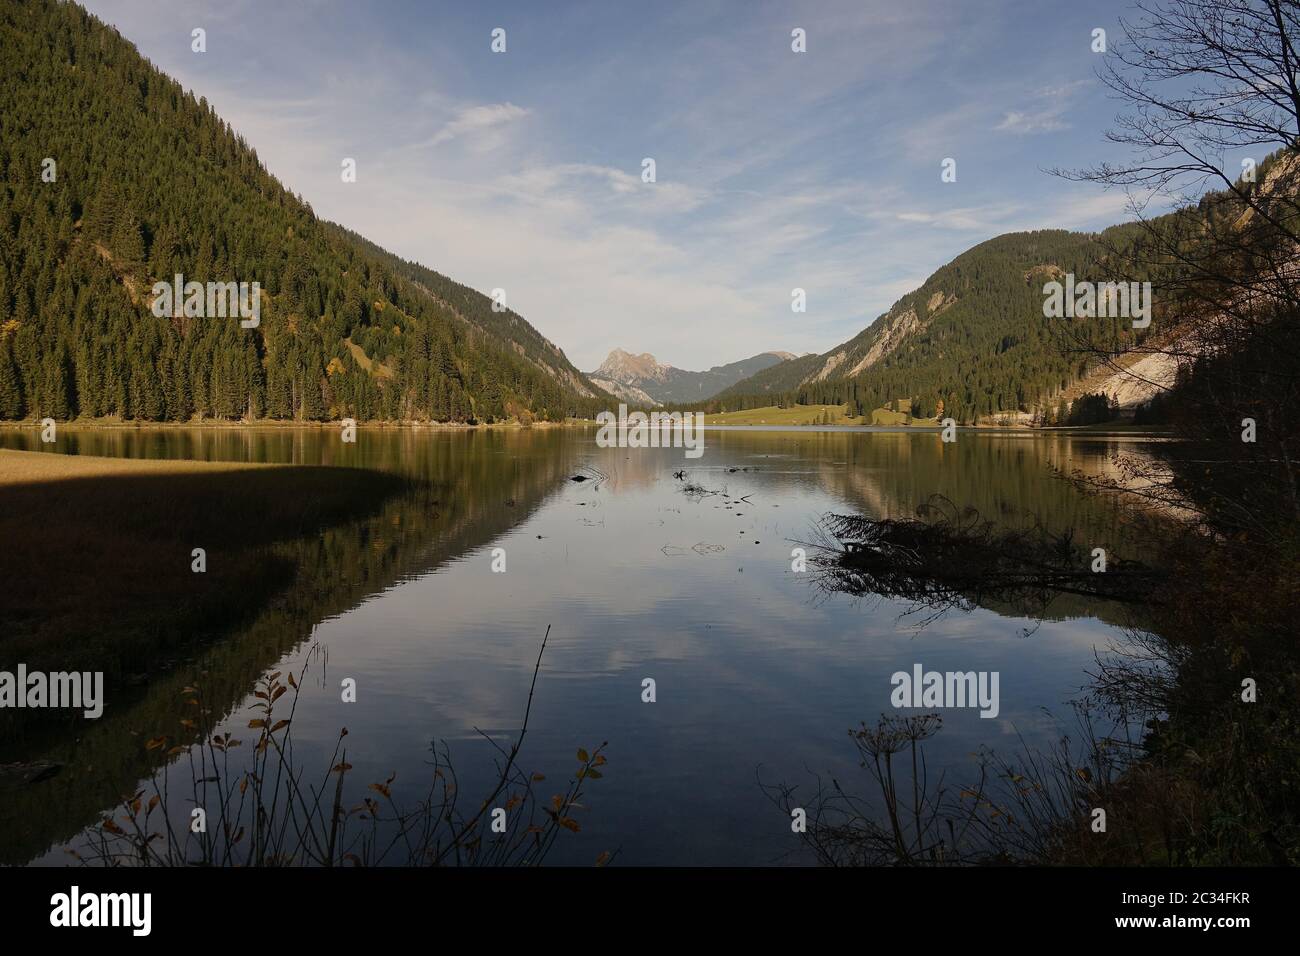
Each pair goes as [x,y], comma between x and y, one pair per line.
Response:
[1117,428]
[88,424]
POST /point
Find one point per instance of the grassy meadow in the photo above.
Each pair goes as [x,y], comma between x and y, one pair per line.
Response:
[813,415]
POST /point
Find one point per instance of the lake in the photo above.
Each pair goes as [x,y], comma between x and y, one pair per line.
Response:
[758,674]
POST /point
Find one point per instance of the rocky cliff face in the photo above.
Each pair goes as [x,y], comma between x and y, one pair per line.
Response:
[645,380]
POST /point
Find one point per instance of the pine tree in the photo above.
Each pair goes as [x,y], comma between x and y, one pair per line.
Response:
[57,392]
[128,243]
[313,405]
[100,220]
[164,253]
[11,395]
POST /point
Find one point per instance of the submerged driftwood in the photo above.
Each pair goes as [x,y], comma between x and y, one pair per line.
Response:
[948,557]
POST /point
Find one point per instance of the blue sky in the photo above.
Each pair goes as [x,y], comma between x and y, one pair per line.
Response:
[775,170]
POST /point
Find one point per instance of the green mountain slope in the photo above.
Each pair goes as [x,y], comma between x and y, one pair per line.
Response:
[149,182]
[973,336]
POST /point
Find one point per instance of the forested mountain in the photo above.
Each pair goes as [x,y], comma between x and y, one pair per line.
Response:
[971,341]
[631,376]
[115,177]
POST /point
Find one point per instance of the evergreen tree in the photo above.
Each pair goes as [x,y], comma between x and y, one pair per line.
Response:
[128,243]
[56,400]
[11,396]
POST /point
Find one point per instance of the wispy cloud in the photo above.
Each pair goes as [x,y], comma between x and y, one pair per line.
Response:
[475,119]
[1046,115]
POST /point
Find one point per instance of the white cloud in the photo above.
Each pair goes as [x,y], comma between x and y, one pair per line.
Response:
[973,219]
[1047,116]
[475,119]
[1041,121]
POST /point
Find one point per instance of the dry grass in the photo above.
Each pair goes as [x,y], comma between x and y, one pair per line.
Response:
[28,467]
[792,415]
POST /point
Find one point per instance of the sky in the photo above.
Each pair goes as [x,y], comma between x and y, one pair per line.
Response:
[774,170]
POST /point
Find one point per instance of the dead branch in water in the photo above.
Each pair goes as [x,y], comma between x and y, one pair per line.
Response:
[948,557]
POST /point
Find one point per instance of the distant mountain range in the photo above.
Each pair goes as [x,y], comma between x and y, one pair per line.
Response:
[643,380]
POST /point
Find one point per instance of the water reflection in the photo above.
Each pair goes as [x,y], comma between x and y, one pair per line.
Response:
[638,580]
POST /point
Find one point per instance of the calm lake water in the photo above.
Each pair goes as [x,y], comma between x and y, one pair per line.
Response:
[756,671]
